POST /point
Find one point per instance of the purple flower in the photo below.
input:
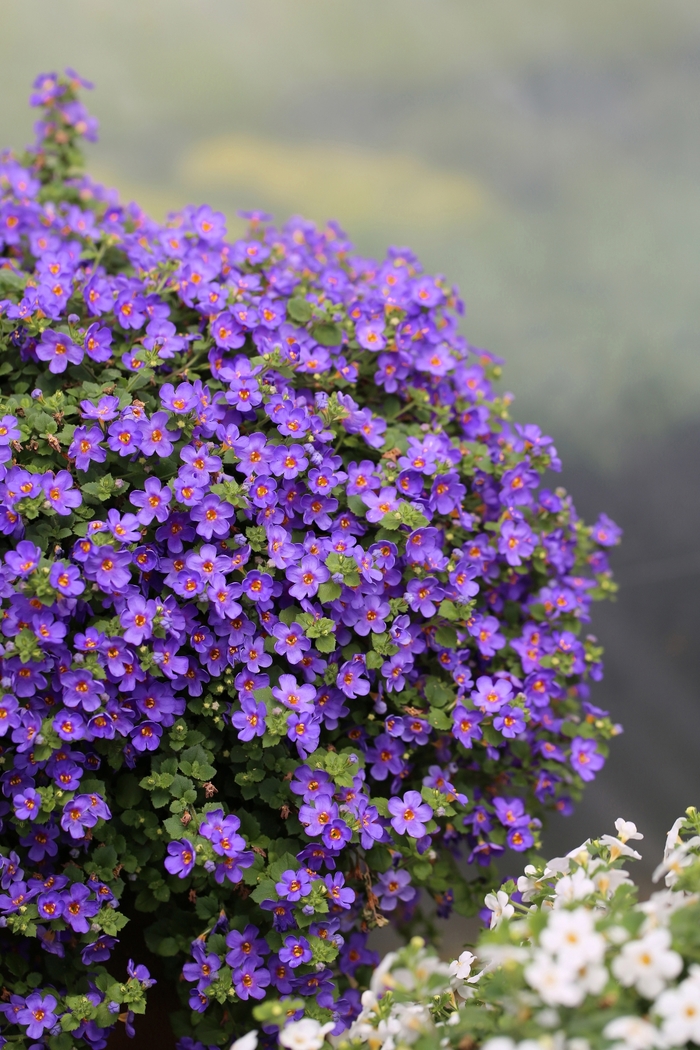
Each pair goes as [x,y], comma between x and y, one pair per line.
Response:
[516,541]
[585,758]
[606,532]
[212,517]
[421,595]
[394,886]
[77,816]
[180,859]
[155,438]
[250,720]
[510,721]
[23,560]
[59,350]
[466,726]
[380,503]
[370,335]
[339,894]
[372,616]
[85,447]
[59,492]
[307,577]
[295,951]
[78,908]
[350,679]
[66,579]
[80,689]
[124,436]
[290,641]
[304,730]
[410,814]
[250,983]
[137,619]
[38,1013]
[98,341]
[146,736]
[293,885]
[27,804]
[299,698]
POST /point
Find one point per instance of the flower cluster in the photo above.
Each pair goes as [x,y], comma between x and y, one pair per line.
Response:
[571,960]
[288,624]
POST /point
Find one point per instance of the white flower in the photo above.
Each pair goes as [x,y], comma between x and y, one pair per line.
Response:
[680,1009]
[632,1032]
[499,1042]
[648,963]
[607,881]
[618,848]
[555,983]
[627,830]
[501,954]
[529,884]
[661,906]
[673,838]
[572,936]
[305,1034]
[381,978]
[592,978]
[675,861]
[414,1020]
[500,907]
[573,888]
[246,1042]
[461,968]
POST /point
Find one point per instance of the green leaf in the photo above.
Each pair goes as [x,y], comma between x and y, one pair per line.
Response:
[327,334]
[325,644]
[128,793]
[446,636]
[299,309]
[329,591]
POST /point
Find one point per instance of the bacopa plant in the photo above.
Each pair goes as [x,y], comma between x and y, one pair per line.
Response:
[289,626]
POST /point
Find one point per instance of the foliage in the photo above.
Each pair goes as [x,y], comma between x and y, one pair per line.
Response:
[288,622]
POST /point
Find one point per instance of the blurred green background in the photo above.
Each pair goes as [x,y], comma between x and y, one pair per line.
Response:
[544,154]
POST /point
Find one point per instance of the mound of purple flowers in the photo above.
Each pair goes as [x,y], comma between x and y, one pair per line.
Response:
[289,626]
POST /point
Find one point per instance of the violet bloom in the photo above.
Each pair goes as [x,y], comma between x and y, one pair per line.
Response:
[339,894]
[23,560]
[520,839]
[307,577]
[153,501]
[156,439]
[410,815]
[350,679]
[137,619]
[66,579]
[372,616]
[466,726]
[38,1013]
[212,517]
[146,736]
[203,969]
[299,698]
[78,908]
[250,983]
[421,595]
[585,758]
[180,859]
[296,951]
[98,341]
[85,447]
[250,720]
[99,951]
[491,694]
[290,641]
[77,816]
[59,492]
[124,436]
[510,721]
[380,503]
[59,350]
[27,804]
[293,885]
[109,568]
[304,730]
[517,541]
[393,886]
[447,493]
